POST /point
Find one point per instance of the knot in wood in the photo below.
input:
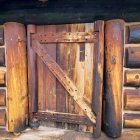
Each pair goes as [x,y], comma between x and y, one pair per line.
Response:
[113,59]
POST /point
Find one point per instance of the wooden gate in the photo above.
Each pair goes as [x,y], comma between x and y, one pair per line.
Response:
[65,75]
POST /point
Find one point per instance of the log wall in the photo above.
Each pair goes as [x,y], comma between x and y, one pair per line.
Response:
[3,107]
[131,91]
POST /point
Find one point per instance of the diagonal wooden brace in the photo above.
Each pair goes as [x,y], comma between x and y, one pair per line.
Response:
[63,79]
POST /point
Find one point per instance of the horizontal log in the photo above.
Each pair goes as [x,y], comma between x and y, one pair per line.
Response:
[63,117]
[134,34]
[131,120]
[2,77]
[2,117]
[1,36]
[66,37]
[132,99]
[2,97]
[133,57]
[132,78]
[2,56]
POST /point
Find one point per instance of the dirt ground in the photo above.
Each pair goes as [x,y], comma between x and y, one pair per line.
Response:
[47,133]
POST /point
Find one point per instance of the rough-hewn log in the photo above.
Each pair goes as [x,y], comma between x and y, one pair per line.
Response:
[114,42]
[2,97]
[2,76]
[133,57]
[132,120]
[2,117]
[2,56]
[132,99]
[98,76]
[134,34]
[15,41]
[132,78]
[63,117]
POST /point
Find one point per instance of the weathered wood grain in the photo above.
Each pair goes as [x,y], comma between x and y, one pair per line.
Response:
[63,117]
[2,77]
[32,80]
[63,37]
[63,79]
[132,78]
[2,117]
[46,80]
[15,41]
[132,99]
[97,91]
[2,97]
[114,42]
[1,36]
[134,34]
[131,120]
[133,57]
[62,60]
[2,56]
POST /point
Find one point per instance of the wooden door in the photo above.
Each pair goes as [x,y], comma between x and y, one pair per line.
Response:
[65,75]
[122,77]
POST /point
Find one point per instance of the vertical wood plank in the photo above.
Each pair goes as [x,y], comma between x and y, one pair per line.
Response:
[114,42]
[62,59]
[15,40]
[41,76]
[98,76]
[49,78]
[75,69]
[32,81]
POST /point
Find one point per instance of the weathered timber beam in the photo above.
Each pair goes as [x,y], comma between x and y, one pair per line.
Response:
[2,117]
[98,76]
[114,44]
[2,97]
[79,37]
[132,78]
[63,117]
[2,56]
[2,76]
[131,120]
[1,36]
[132,99]
[43,17]
[134,34]
[63,79]
[133,57]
